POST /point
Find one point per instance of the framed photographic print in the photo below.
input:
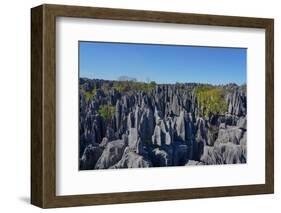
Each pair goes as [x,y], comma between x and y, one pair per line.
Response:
[136,106]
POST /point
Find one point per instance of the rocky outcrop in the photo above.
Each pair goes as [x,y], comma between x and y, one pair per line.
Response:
[90,157]
[161,135]
[230,146]
[194,163]
[237,103]
[181,153]
[223,153]
[230,134]
[158,126]
[160,158]
[134,141]
[111,154]
[146,124]
[131,159]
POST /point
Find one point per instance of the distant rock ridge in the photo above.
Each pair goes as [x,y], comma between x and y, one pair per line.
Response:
[147,125]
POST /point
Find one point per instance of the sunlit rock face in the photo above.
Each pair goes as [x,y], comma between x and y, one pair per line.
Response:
[138,125]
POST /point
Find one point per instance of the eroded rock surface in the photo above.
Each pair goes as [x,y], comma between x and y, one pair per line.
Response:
[158,125]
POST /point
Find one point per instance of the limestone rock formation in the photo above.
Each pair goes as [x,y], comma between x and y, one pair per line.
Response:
[131,159]
[111,154]
[133,124]
[90,156]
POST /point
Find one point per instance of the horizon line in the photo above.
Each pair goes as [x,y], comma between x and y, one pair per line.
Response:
[190,82]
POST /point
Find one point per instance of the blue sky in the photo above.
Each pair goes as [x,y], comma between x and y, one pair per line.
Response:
[162,63]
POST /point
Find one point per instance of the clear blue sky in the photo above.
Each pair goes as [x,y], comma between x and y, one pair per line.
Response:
[162,63]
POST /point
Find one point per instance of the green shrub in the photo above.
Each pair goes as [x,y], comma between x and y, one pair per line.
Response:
[106,111]
[151,85]
[211,100]
[127,86]
[90,94]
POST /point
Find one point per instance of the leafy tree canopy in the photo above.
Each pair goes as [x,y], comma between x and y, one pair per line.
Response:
[210,100]
[90,94]
[106,111]
[127,86]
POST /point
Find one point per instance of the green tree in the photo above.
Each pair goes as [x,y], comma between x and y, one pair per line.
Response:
[106,111]
[211,100]
[90,94]
[151,85]
[128,86]
[121,86]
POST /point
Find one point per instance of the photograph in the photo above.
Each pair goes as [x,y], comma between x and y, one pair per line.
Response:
[149,104]
[161,105]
